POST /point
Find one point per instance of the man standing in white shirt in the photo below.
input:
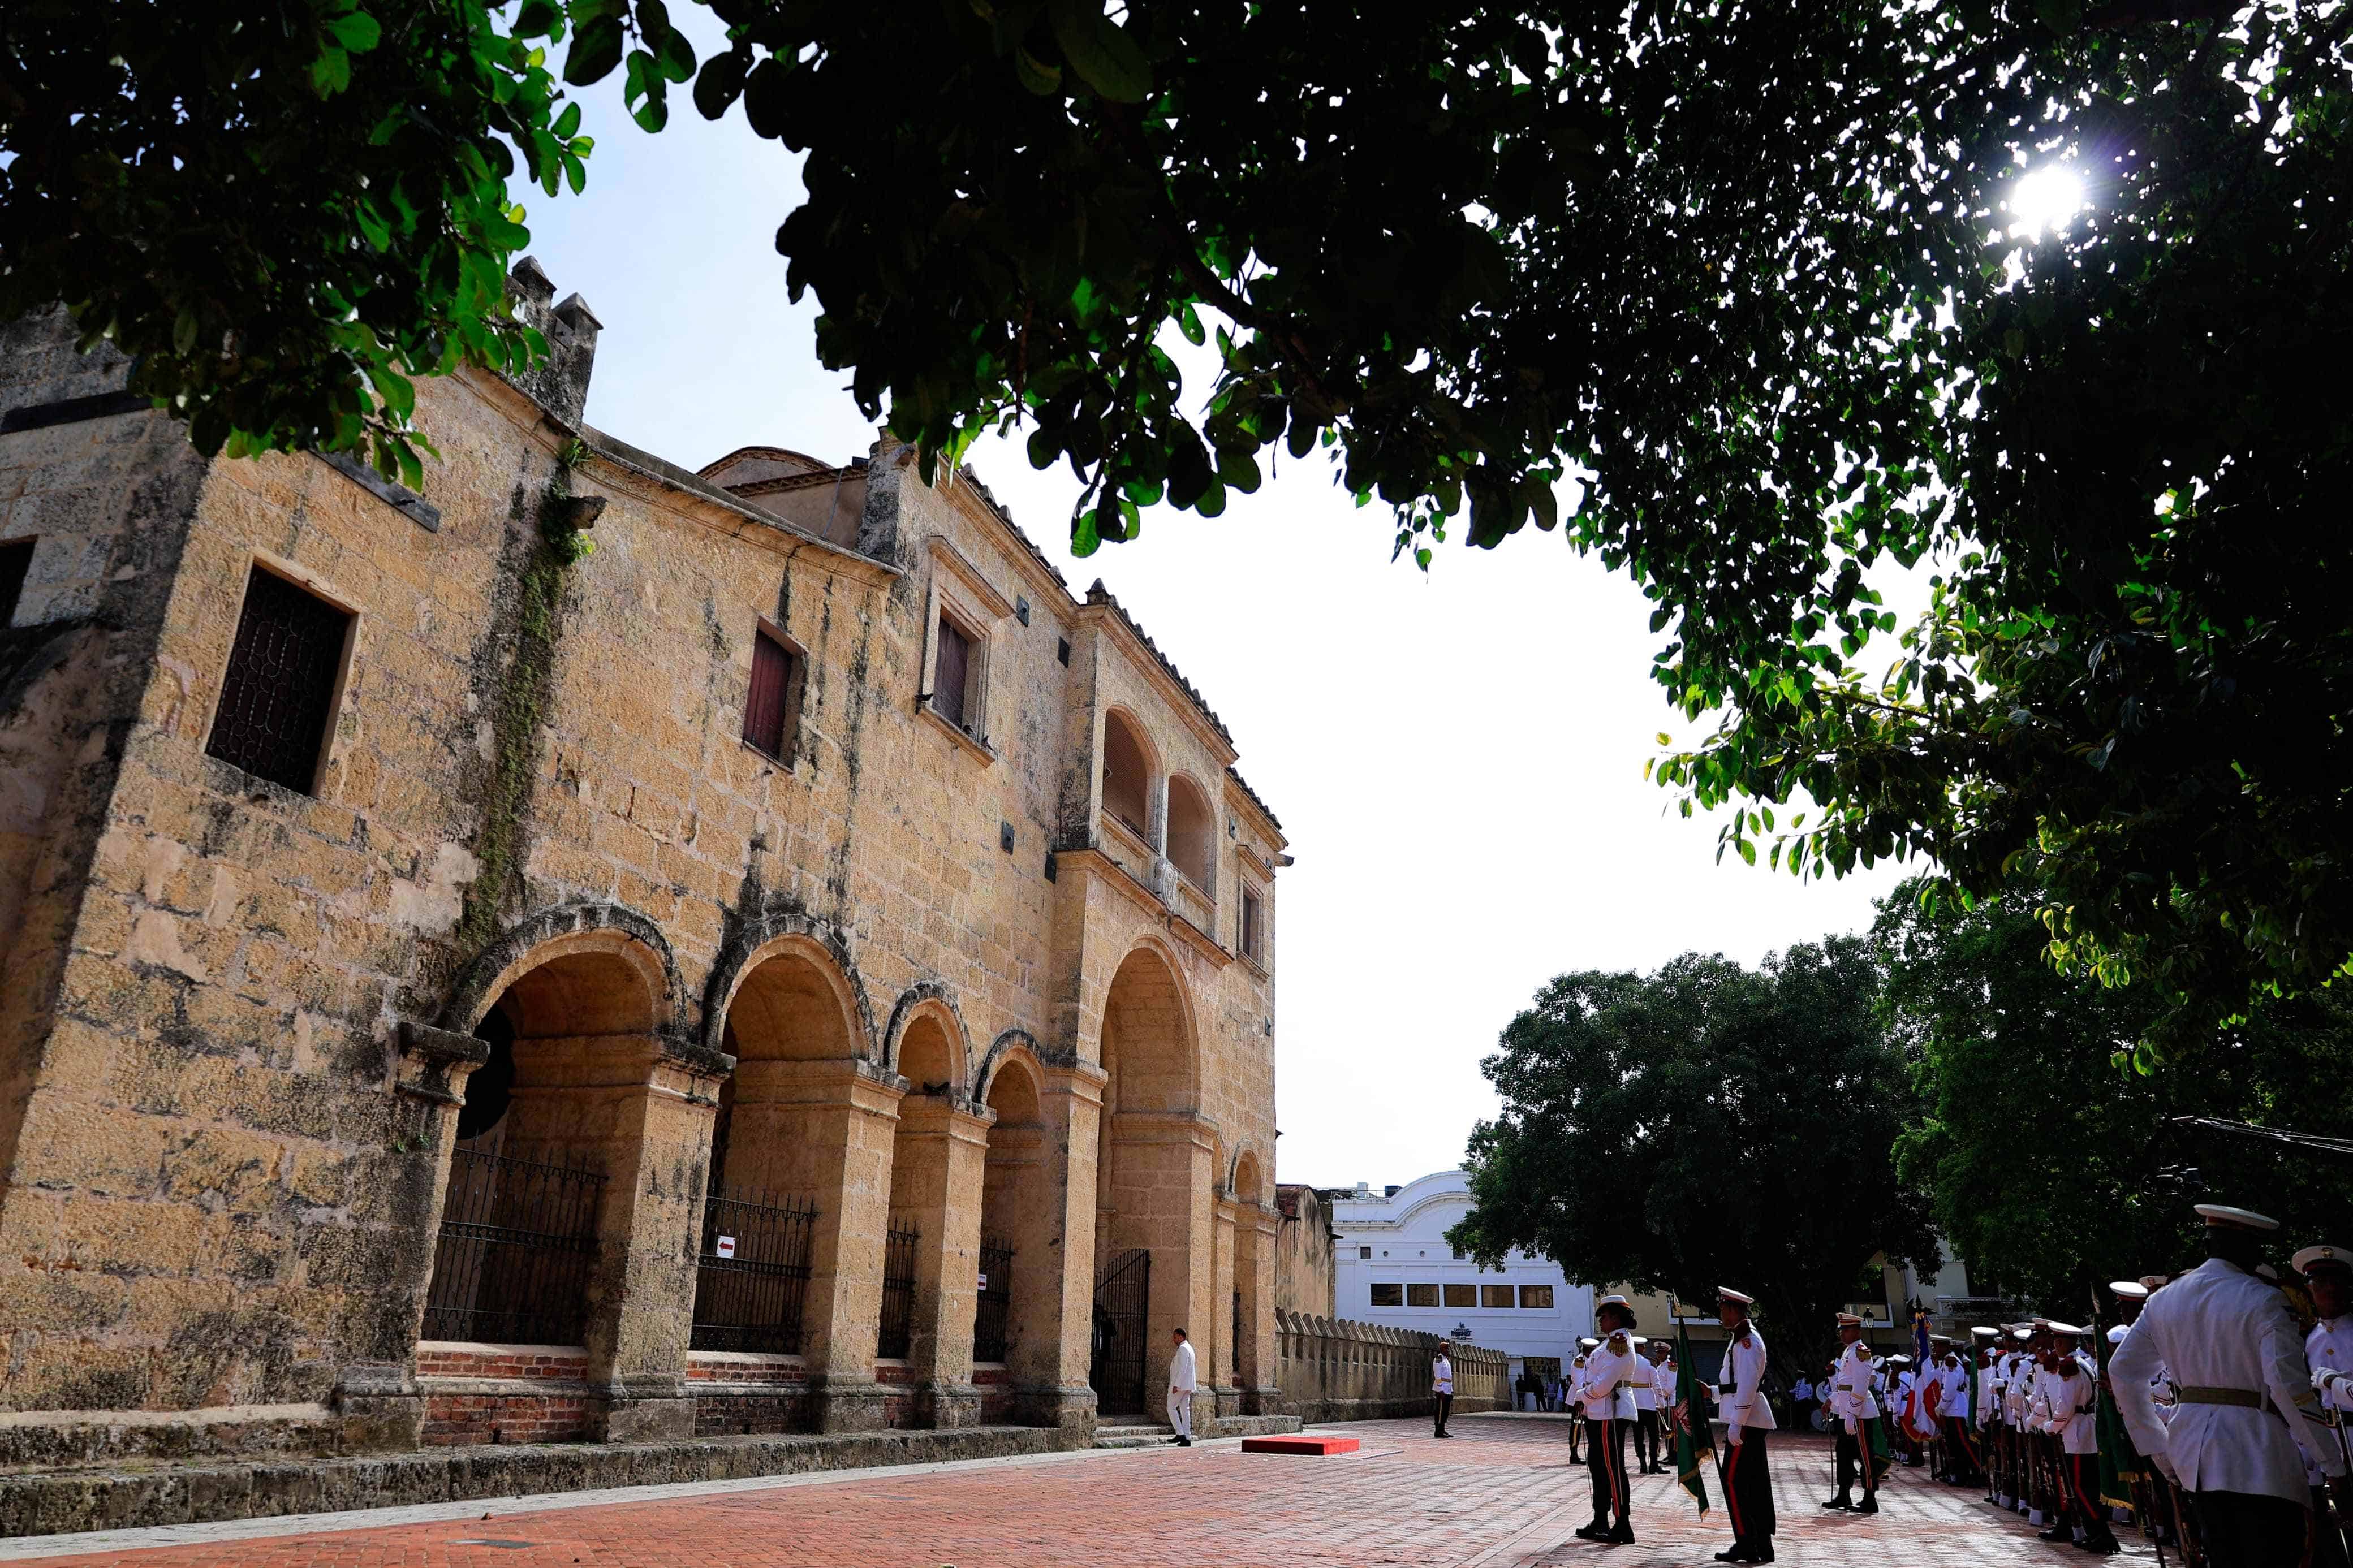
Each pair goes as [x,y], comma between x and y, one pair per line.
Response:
[2245,1399]
[1441,1391]
[1646,1407]
[1181,1384]
[1854,1405]
[1747,1418]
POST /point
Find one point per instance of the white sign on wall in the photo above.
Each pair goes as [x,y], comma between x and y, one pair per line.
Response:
[726,1247]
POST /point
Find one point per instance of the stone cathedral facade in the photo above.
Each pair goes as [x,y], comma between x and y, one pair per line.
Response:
[791,967]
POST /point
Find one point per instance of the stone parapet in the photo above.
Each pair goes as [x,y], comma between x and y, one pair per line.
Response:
[1332,1369]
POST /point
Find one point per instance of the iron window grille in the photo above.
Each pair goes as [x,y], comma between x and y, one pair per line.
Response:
[751,1282]
[517,1242]
[279,691]
[898,1291]
[994,1308]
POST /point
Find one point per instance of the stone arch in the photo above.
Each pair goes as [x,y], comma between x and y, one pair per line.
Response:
[562,941]
[1193,832]
[928,1012]
[1246,1175]
[1149,1018]
[1131,769]
[815,943]
[1016,1049]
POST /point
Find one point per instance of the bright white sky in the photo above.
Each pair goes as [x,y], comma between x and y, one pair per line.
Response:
[1458,759]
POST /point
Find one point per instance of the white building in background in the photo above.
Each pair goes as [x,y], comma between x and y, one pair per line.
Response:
[1391,1266]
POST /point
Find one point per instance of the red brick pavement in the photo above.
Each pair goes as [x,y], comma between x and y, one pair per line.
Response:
[1501,1495]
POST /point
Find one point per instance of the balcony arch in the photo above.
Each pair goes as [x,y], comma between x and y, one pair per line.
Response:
[1129,768]
[1193,834]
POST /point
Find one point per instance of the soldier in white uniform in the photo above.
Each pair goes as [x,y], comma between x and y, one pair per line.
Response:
[2069,1404]
[1854,1405]
[1608,1401]
[1747,1417]
[1644,1377]
[2243,1391]
[2329,1276]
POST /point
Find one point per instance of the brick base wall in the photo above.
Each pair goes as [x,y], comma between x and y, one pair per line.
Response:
[744,1394]
[503,1393]
[996,1388]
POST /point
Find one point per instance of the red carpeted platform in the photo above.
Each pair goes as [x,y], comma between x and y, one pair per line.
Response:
[1316,1446]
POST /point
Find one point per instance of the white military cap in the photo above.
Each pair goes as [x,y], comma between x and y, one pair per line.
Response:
[1726,1293]
[1611,1301]
[1985,1334]
[1590,1345]
[2236,1219]
[2069,1330]
[2312,1255]
[2117,1334]
[2129,1289]
[2021,1333]
[1637,1339]
[1899,1360]
[1848,1320]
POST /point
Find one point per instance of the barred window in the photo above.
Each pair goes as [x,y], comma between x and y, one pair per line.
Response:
[1421,1295]
[1536,1296]
[278,694]
[1388,1295]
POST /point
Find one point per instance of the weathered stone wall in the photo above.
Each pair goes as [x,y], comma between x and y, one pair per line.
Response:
[1303,1256]
[238,1017]
[1337,1370]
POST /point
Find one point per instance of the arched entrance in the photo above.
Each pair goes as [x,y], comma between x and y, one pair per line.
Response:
[932,1264]
[559,1222]
[810,1128]
[1156,1165]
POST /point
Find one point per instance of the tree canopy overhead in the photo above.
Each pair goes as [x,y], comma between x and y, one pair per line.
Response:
[1705,1125]
[1736,281]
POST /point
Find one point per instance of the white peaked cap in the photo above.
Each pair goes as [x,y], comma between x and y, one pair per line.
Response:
[2311,1255]
[1726,1293]
[2116,1336]
[2129,1289]
[2239,1219]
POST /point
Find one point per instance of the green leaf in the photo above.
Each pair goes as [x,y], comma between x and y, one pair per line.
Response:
[719,84]
[1189,321]
[331,72]
[596,50]
[1105,58]
[565,124]
[1038,77]
[355,31]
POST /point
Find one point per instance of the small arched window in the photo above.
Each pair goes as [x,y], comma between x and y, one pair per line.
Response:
[1192,833]
[1127,776]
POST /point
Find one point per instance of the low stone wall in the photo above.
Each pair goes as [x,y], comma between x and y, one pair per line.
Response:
[55,1501]
[1335,1370]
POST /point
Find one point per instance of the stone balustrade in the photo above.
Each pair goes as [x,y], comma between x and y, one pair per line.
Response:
[1335,1370]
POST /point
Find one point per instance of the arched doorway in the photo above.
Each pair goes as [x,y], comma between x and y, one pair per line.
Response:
[1018,1234]
[1156,1182]
[931,1263]
[809,1128]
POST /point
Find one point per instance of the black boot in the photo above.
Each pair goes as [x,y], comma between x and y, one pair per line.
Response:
[1623,1535]
[1870,1504]
[1597,1531]
[1842,1501]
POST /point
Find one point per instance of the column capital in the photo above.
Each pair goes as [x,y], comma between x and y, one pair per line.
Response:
[933,1116]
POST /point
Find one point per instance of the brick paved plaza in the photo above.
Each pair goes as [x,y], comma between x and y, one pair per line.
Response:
[1501,1493]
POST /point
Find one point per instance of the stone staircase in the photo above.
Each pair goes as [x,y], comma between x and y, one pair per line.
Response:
[1132,1432]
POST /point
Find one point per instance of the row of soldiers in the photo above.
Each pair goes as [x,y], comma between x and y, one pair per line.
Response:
[2215,1424]
[2216,1420]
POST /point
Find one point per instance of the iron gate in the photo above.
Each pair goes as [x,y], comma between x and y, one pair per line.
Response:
[753,1275]
[897,1333]
[518,1239]
[1123,1297]
[995,1306]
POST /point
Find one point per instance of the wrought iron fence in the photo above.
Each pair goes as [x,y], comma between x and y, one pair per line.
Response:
[751,1281]
[898,1290]
[995,1304]
[1123,1298]
[511,1262]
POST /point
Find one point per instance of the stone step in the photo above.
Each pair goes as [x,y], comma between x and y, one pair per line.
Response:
[1132,1435]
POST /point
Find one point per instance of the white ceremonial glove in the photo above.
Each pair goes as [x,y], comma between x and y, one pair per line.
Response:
[1732,1434]
[2330,1381]
[1851,1430]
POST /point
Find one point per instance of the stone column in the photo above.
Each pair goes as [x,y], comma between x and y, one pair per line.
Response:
[1166,1165]
[638,1108]
[937,1176]
[825,1130]
[1221,1379]
[1051,1323]
[1255,1273]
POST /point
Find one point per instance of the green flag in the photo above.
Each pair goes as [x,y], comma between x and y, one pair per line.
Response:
[1693,1435]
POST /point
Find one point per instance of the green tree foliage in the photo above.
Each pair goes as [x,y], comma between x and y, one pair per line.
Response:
[2050,1171]
[1735,281]
[1706,1125]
